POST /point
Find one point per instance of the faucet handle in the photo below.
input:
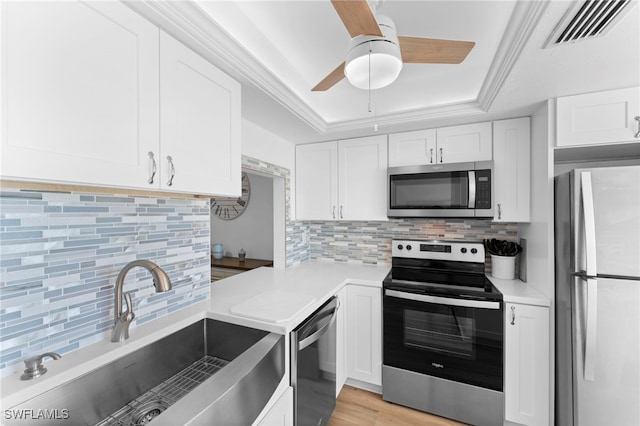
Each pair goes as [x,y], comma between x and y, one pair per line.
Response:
[34,367]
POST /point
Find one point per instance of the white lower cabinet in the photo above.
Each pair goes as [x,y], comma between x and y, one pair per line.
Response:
[281,414]
[341,341]
[526,368]
[364,334]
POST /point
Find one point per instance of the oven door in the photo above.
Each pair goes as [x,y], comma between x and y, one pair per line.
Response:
[454,339]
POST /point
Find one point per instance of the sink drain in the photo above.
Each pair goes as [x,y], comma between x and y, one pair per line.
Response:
[148,411]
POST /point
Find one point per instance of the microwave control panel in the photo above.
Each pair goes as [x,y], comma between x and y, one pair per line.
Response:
[483,189]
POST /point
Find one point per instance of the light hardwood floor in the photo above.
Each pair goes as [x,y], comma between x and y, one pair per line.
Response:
[359,407]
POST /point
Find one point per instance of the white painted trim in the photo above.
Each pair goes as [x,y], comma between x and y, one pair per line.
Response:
[187,22]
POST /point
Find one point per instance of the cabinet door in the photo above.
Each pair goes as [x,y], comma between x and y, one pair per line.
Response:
[459,144]
[341,339]
[200,123]
[281,414]
[598,118]
[362,177]
[412,148]
[79,93]
[317,181]
[364,334]
[512,174]
[526,370]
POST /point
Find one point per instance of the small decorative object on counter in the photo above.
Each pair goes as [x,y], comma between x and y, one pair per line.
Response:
[503,257]
[242,254]
[218,251]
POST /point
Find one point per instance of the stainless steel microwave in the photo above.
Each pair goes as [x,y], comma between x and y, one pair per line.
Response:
[441,190]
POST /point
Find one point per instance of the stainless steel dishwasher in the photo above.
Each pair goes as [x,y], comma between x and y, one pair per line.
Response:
[313,366]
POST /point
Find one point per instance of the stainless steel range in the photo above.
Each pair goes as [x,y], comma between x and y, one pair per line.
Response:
[443,332]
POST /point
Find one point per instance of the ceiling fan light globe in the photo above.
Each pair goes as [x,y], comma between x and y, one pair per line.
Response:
[375,58]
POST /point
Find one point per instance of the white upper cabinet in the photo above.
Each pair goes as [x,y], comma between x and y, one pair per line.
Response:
[80,93]
[362,177]
[459,144]
[94,94]
[412,148]
[512,171]
[456,144]
[342,180]
[199,123]
[598,118]
[317,181]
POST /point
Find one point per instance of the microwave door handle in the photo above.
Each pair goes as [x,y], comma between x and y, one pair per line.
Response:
[472,189]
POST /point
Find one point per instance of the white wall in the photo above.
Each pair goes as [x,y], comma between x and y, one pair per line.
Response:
[539,232]
[266,146]
[253,229]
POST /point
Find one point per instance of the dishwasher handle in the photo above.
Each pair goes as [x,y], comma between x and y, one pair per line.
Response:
[307,341]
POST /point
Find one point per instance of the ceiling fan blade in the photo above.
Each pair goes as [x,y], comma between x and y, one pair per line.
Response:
[329,81]
[357,17]
[418,50]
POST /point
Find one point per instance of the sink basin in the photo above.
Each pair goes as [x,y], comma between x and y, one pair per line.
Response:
[209,372]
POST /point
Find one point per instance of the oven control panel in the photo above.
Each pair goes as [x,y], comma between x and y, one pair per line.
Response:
[461,251]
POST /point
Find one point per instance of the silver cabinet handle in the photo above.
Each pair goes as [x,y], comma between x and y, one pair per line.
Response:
[637,135]
[441,155]
[431,158]
[499,211]
[172,170]
[334,212]
[513,315]
[341,216]
[153,168]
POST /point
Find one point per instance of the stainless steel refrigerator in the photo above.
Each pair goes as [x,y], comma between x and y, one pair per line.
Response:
[597,228]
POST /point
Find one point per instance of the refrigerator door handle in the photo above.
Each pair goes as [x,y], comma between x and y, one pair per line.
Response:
[589,224]
[590,332]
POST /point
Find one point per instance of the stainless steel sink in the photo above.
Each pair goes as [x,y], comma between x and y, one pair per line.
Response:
[209,372]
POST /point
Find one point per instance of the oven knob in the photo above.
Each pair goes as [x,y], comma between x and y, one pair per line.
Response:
[408,247]
[400,247]
[474,251]
[463,250]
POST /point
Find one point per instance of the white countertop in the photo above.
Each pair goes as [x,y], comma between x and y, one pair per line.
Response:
[516,291]
[308,285]
[317,280]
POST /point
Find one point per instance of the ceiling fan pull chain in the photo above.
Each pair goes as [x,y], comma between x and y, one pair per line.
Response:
[375,111]
[369,77]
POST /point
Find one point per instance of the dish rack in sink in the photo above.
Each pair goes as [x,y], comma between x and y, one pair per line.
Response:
[151,404]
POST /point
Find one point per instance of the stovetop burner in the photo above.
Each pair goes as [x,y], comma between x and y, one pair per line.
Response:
[452,269]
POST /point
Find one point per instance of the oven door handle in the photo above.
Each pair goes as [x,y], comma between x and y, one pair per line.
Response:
[482,304]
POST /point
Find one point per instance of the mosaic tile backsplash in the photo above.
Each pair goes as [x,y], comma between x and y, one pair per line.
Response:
[370,242]
[60,255]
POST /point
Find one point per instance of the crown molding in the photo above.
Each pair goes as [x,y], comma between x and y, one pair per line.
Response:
[187,22]
[522,23]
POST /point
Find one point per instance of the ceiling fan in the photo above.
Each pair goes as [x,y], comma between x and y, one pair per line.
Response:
[376,53]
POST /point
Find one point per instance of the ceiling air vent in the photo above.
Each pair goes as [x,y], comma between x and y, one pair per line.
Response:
[587,19]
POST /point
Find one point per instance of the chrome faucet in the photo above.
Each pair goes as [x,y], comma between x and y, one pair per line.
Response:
[123,319]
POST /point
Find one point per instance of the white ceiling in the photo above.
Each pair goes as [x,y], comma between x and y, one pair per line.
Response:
[279,50]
